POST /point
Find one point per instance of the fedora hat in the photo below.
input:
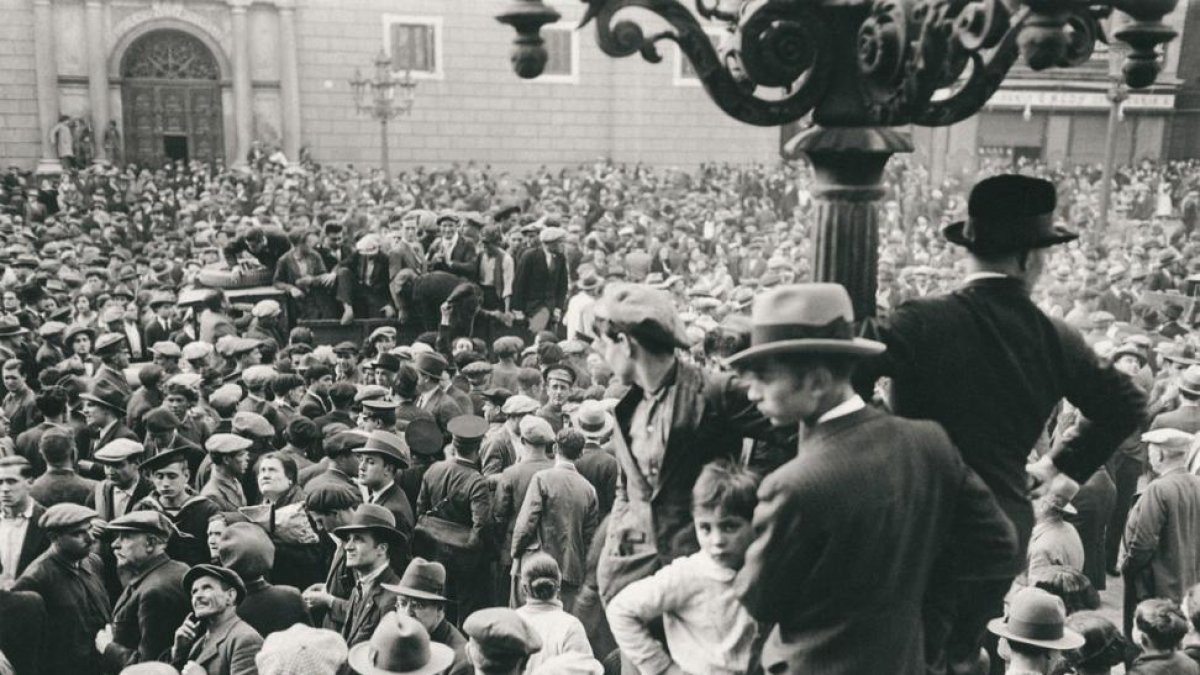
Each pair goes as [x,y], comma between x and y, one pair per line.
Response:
[430,364]
[11,327]
[423,579]
[1009,213]
[371,518]
[804,318]
[400,646]
[1036,618]
[387,444]
[106,394]
[1189,382]
[592,420]
[1062,491]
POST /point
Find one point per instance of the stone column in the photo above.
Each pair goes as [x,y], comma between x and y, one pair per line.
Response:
[46,68]
[848,165]
[289,79]
[243,108]
[97,56]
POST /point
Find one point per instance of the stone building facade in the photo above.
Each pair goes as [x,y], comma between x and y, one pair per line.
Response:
[202,79]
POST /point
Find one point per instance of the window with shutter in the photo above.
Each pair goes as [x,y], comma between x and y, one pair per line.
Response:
[414,44]
[559,47]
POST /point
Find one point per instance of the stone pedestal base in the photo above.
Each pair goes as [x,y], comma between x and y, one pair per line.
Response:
[48,167]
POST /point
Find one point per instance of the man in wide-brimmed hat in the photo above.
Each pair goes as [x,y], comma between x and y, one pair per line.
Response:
[1033,630]
[924,502]
[367,541]
[990,367]
[421,594]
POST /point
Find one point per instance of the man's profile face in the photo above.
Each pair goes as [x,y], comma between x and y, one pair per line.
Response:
[779,394]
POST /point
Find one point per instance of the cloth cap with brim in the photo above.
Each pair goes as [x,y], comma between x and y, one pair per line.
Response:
[164,459]
[1007,214]
[117,451]
[382,331]
[266,308]
[167,349]
[227,444]
[400,646]
[386,444]
[74,330]
[65,515]
[1062,490]
[560,372]
[1128,349]
[345,348]
[371,518]
[369,392]
[536,430]
[423,579]
[424,437]
[1036,618]
[645,311]
[1173,441]
[195,351]
[520,404]
[496,395]
[500,637]
[344,441]
[51,328]
[142,522]
[592,420]
[222,574]
[467,429]
[804,319]
[160,420]
[252,424]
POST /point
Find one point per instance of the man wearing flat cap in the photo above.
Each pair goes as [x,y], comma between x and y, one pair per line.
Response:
[675,418]
[540,287]
[363,282]
[154,602]
[816,537]
[988,365]
[213,640]
[70,579]
[501,642]
[1160,556]
[454,490]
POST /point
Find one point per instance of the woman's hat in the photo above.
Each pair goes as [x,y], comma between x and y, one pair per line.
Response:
[1009,213]
[804,318]
[1036,618]
[400,646]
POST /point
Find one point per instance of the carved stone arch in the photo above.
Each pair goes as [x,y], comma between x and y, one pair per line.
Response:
[143,28]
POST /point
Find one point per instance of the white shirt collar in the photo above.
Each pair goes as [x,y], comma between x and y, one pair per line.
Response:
[984,275]
[24,515]
[847,407]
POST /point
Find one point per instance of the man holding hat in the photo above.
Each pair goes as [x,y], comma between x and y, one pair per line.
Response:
[213,640]
[540,285]
[501,642]
[368,540]
[1160,558]
[154,601]
[851,532]
[70,579]
[421,595]
[989,366]
[1033,631]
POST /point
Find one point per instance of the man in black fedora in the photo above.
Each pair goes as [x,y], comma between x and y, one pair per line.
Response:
[852,531]
[988,365]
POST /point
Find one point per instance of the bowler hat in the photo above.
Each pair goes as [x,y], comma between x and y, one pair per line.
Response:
[372,518]
[804,318]
[222,574]
[423,579]
[1035,617]
[1009,213]
[400,646]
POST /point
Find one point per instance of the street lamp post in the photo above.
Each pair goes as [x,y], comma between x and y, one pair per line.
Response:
[1117,93]
[378,98]
[864,69]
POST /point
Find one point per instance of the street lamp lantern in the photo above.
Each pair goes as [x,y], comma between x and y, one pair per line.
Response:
[378,98]
[861,68]
[1118,91]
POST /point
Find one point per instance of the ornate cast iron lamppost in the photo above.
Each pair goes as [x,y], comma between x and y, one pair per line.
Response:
[862,67]
[383,104]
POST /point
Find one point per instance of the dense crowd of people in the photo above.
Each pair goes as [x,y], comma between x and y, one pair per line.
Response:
[600,420]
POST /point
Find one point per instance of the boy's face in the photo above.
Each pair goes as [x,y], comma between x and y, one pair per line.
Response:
[723,536]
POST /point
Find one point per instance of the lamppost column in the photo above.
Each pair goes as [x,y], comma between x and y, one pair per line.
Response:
[1116,95]
[384,160]
[46,70]
[848,165]
[242,93]
[97,73]
[289,79]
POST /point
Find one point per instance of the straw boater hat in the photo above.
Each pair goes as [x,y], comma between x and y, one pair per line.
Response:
[804,318]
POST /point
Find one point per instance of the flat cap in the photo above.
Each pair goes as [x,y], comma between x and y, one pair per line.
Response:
[196,351]
[107,343]
[1171,440]
[477,369]
[424,437]
[389,331]
[118,450]
[330,496]
[520,404]
[238,346]
[160,420]
[378,405]
[368,392]
[648,310]
[536,430]
[344,441]
[346,347]
[226,396]
[227,444]
[266,308]
[257,377]
[552,234]
[497,395]
[187,380]
[561,372]
[301,650]
[51,328]
[145,522]
[222,574]
[388,361]
[167,349]
[66,514]
[252,424]
[501,637]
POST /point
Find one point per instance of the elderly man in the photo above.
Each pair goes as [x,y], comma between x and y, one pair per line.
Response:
[675,418]
[988,365]
[213,640]
[70,579]
[853,529]
[154,602]
[363,282]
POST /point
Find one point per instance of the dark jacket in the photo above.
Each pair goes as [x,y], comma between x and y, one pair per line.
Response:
[455,490]
[850,533]
[988,365]
[57,486]
[1175,663]
[34,545]
[536,285]
[145,617]
[313,406]
[76,608]
[269,609]
[601,469]
[277,245]
[1161,534]
[395,500]
[364,614]
[22,630]
[450,636]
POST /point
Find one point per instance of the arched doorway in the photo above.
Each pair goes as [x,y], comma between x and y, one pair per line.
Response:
[171,95]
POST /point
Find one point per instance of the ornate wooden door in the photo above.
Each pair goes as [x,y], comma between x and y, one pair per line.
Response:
[171,88]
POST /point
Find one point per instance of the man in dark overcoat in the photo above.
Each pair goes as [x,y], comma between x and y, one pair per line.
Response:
[851,532]
[988,365]
[540,286]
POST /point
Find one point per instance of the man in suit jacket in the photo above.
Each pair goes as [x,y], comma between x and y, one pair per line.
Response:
[213,636]
[988,365]
[455,251]
[381,460]
[104,408]
[367,540]
[22,629]
[850,533]
[22,540]
[540,287]
[163,324]
[363,282]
